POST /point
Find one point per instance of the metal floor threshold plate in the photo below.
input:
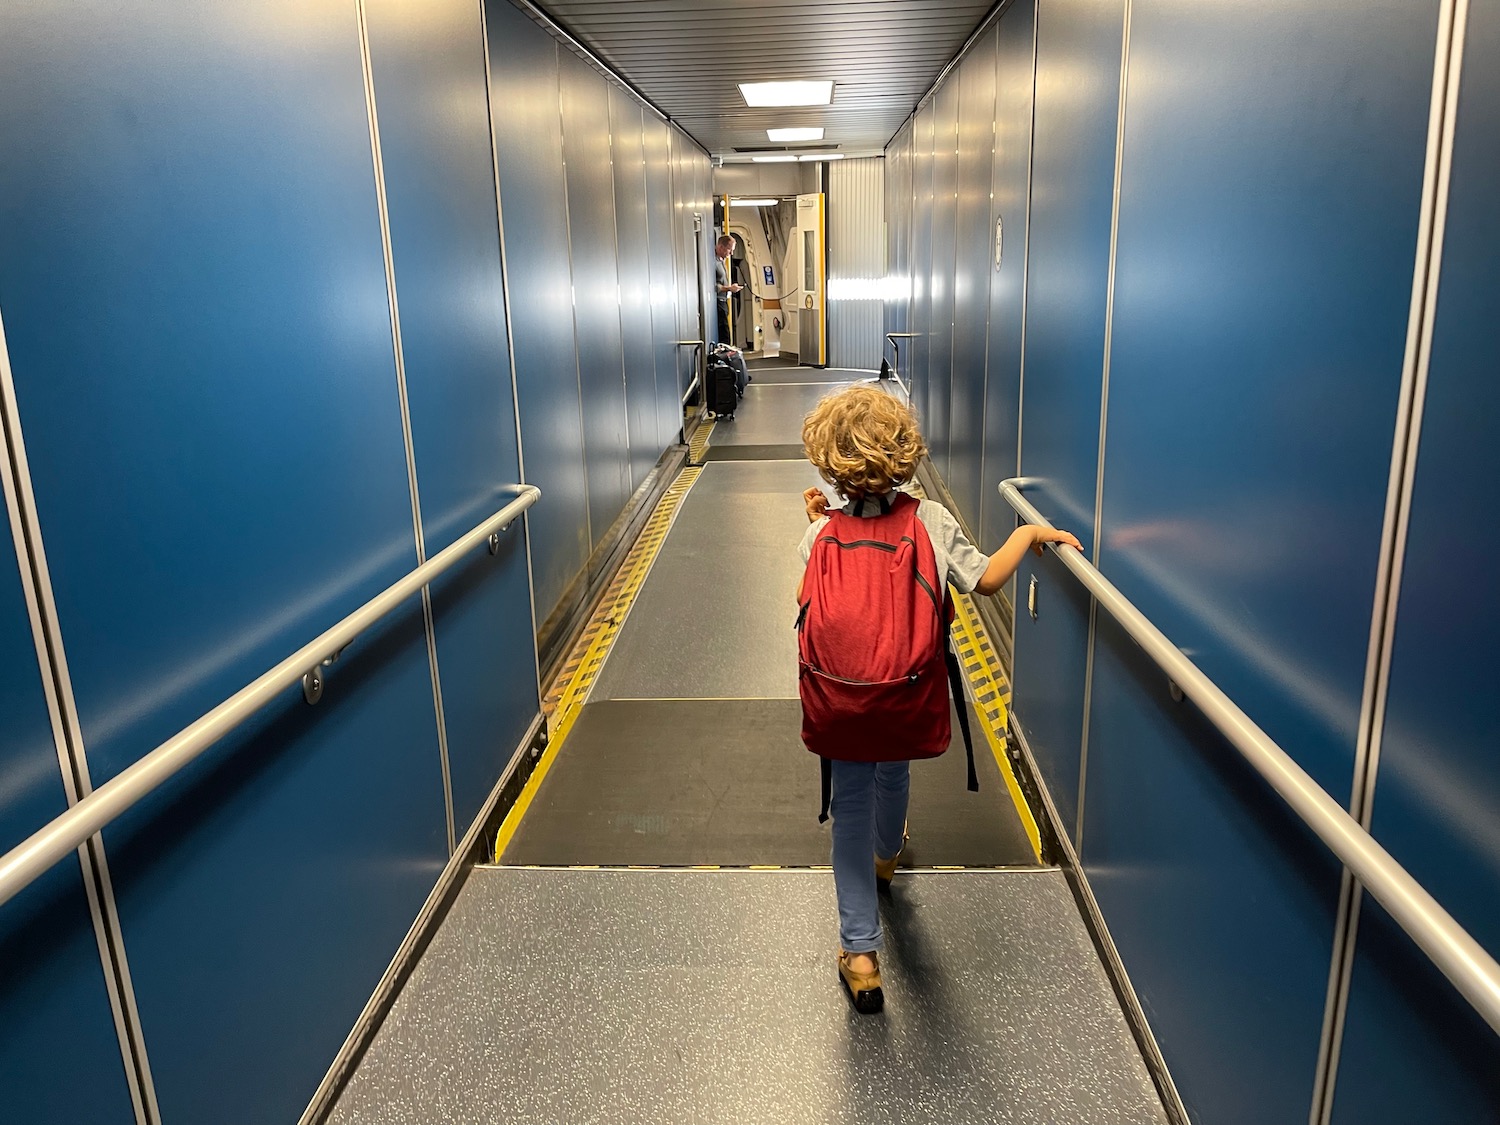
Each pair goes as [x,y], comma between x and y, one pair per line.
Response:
[698,997]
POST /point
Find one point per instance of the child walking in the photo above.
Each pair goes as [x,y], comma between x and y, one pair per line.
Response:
[873,615]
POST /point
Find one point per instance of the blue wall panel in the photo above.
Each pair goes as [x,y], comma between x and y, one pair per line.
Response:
[1413,1050]
[974,266]
[440,186]
[1051,655]
[628,162]
[596,302]
[898,213]
[921,267]
[52,1000]
[276,881]
[528,146]
[1007,286]
[195,298]
[1077,104]
[940,278]
[1219,900]
[662,235]
[1223,383]
[1220,451]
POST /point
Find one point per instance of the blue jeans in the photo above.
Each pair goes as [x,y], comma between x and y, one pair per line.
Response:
[869,818]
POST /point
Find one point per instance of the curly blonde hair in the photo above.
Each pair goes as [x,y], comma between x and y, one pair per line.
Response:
[863,441]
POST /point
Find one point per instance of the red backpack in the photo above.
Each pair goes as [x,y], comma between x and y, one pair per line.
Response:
[873,644]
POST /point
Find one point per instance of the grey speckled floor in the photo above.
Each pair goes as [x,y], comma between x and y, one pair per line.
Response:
[785,373]
[771,413]
[666,997]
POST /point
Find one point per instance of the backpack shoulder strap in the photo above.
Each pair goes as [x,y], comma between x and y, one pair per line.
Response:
[960,704]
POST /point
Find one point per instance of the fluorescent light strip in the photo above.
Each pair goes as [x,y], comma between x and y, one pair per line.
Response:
[789,158]
[753,202]
[790,136]
[786,93]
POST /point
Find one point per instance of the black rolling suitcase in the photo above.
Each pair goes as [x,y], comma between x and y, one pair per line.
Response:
[721,392]
[736,359]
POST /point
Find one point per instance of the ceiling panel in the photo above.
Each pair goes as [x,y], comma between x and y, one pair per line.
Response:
[687,55]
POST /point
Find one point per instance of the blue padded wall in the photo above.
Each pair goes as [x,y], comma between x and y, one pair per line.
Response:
[1201,472]
[528,148]
[1077,104]
[661,234]
[196,305]
[596,305]
[995,519]
[1220,455]
[53,1003]
[440,187]
[1228,948]
[974,266]
[940,278]
[1412,1049]
[921,266]
[1072,186]
[628,161]
[898,212]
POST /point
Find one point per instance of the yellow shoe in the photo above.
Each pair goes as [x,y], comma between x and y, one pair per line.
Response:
[863,988]
[885,869]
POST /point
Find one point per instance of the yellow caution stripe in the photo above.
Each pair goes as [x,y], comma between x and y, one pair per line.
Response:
[698,445]
[992,695]
[565,697]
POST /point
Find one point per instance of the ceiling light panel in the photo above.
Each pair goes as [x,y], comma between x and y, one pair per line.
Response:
[788,158]
[797,134]
[753,202]
[786,93]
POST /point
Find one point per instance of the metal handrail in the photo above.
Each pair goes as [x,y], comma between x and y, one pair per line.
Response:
[697,346]
[1450,947]
[39,851]
[896,347]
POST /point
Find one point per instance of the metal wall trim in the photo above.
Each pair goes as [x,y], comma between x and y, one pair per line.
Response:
[378,162]
[1447,74]
[510,339]
[409,952]
[67,738]
[1109,330]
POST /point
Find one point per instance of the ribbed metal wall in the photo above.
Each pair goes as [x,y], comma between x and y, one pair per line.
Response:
[856,262]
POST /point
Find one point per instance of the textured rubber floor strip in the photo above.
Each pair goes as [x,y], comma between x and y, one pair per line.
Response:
[565,696]
[698,447]
[992,701]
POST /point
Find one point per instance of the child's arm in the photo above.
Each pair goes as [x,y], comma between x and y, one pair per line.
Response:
[1003,563]
[817,507]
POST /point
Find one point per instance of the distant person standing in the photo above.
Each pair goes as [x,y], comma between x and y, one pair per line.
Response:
[722,285]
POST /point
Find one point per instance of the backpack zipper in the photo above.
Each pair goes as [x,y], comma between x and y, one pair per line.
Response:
[910,678]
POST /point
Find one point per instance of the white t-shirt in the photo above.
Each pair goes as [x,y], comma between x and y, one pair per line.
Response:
[958,560]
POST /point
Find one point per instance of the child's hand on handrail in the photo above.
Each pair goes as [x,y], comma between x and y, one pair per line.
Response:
[1053,535]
